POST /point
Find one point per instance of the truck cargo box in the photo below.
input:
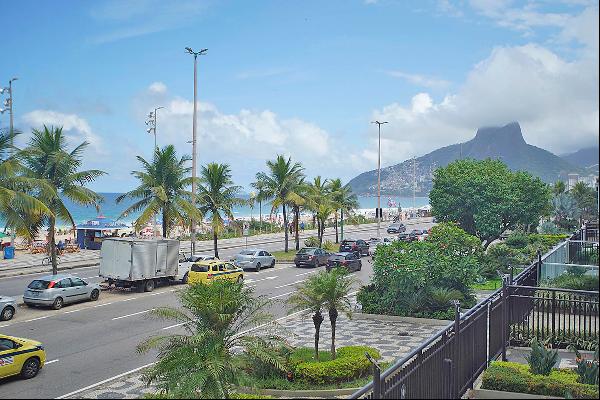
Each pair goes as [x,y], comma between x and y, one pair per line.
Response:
[131,259]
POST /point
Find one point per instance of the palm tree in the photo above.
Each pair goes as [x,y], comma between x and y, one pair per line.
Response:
[320,202]
[334,288]
[200,363]
[47,159]
[308,301]
[559,187]
[297,204]
[565,210]
[216,195]
[280,185]
[163,189]
[343,201]
[18,204]
[261,196]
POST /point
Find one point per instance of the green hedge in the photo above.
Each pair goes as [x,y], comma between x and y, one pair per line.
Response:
[514,377]
[349,364]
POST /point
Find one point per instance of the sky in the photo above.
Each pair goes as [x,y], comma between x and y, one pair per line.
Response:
[304,79]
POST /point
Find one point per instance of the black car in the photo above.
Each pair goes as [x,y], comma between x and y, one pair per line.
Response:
[355,246]
[311,257]
[407,237]
[349,261]
[396,228]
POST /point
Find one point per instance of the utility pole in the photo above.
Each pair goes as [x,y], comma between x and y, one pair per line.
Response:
[195,54]
[8,103]
[152,121]
[414,184]
[378,212]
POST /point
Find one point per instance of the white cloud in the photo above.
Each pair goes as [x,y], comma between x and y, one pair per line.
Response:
[420,80]
[75,128]
[157,87]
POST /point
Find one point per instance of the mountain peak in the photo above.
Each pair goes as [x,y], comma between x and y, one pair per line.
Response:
[509,133]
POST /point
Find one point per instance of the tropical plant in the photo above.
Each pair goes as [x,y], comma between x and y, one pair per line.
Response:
[297,204]
[343,201]
[541,360]
[200,363]
[308,301]
[280,184]
[586,369]
[334,289]
[558,188]
[217,196]
[48,160]
[585,197]
[261,196]
[163,188]
[566,210]
[319,201]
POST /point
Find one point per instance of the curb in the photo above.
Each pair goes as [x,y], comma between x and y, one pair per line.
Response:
[299,394]
[394,318]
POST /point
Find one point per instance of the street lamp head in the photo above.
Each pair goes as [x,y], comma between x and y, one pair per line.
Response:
[379,123]
[189,50]
[13,79]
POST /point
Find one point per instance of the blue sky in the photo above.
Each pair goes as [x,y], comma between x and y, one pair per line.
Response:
[301,78]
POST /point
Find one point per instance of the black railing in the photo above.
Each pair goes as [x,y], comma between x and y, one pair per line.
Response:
[446,365]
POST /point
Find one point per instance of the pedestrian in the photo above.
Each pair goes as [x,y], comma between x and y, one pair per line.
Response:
[302,226]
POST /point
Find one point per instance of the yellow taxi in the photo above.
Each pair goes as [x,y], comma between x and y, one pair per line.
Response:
[19,356]
[209,270]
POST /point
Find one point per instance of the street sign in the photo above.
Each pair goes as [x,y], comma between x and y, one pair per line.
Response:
[246,229]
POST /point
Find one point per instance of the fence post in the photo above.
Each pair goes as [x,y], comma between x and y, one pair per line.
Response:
[553,309]
[457,355]
[505,323]
[539,267]
[512,274]
[450,391]
[376,377]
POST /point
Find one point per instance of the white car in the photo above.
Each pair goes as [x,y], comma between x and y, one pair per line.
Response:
[8,307]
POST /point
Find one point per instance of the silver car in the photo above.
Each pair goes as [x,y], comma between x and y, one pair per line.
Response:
[8,307]
[57,290]
[254,259]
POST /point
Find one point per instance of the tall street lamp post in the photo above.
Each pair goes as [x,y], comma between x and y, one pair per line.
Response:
[378,212]
[152,121]
[195,54]
[8,104]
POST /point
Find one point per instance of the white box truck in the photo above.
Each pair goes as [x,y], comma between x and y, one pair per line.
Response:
[139,263]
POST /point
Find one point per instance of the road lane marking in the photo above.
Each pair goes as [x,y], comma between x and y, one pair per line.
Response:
[260,280]
[306,273]
[72,311]
[102,305]
[131,315]
[289,284]
[64,396]
[51,361]
[281,295]
[38,318]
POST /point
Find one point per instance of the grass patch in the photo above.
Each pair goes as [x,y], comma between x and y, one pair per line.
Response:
[283,256]
[490,284]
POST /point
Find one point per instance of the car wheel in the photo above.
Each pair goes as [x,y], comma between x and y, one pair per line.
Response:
[58,303]
[7,314]
[95,295]
[273,264]
[149,285]
[30,368]
[240,279]
[257,267]
[185,278]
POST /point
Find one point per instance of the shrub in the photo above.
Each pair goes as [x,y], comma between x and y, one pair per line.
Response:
[349,364]
[517,240]
[574,282]
[522,337]
[541,360]
[330,246]
[311,241]
[548,227]
[514,377]
[587,369]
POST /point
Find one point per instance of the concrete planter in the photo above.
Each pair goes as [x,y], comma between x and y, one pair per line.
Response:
[300,394]
[497,394]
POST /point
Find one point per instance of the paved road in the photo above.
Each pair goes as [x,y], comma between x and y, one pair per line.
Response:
[91,342]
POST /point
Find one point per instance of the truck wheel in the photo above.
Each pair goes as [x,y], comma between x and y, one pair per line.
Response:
[7,314]
[140,286]
[58,303]
[95,295]
[30,368]
[149,286]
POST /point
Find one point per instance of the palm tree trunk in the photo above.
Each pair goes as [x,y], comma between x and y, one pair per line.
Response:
[285,229]
[319,231]
[317,321]
[215,238]
[342,223]
[260,217]
[297,217]
[164,224]
[333,315]
[337,239]
[52,244]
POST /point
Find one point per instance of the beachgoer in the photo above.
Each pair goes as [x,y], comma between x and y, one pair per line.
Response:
[60,246]
[302,226]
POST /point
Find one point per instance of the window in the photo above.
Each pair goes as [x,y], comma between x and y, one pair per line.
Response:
[215,268]
[39,284]
[75,282]
[246,253]
[64,283]
[267,253]
[199,268]
[229,266]
[221,267]
[7,344]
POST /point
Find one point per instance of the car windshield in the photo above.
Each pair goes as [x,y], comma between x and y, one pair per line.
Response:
[348,241]
[39,284]
[305,251]
[337,257]
[199,268]
[246,253]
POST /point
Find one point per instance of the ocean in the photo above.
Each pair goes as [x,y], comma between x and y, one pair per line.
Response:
[109,207]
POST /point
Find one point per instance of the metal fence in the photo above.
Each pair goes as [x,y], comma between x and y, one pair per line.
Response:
[447,364]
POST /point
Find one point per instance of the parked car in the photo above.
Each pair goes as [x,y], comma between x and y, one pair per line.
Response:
[8,307]
[208,271]
[254,259]
[58,290]
[373,242]
[20,356]
[355,246]
[396,228]
[311,257]
[351,261]
[186,263]
[406,237]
